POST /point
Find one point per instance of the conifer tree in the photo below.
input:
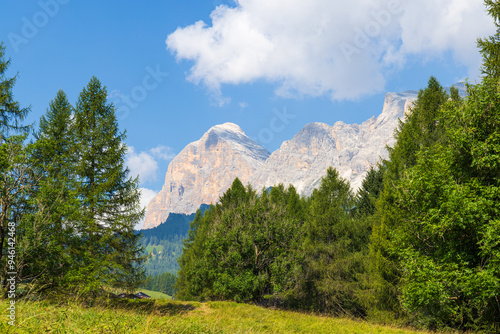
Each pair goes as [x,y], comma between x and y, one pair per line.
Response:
[55,196]
[243,248]
[11,114]
[490,47]
[109,198]
[422,128]
[370,190]
[15,173]
[332,247]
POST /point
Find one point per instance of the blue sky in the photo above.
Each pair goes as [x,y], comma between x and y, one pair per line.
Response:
[175,68]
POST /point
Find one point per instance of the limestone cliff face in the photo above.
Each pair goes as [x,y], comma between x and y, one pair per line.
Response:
[203,170]
[350,148]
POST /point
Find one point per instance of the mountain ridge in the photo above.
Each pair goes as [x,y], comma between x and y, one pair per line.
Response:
[204,169]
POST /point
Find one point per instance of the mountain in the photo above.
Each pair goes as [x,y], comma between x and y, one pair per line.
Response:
[350,148]
[203,170]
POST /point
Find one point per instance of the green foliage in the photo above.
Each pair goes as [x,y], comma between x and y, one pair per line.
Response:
[11,114]
[164,282]
[17,178]
[109,199]
[70,199]
[166,240]
[334,250]
[444,238]
[243,248]
[370,190]
[448,239]
[278,248]
[490,47]
[423,127]
[17,184]
[55,200]
[163,257]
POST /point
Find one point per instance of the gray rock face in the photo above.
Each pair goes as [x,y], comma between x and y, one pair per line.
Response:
[204,170]
[350,148]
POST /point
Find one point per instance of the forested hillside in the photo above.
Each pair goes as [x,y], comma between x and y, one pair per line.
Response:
[163,244]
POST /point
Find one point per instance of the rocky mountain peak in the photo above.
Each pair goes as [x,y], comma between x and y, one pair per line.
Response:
[203,170]
[226,128]
[233,136]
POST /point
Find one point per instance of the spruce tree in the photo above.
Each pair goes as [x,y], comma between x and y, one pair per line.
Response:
[370,190]
[422,128]
[53,156]
[109,197]
[333,245]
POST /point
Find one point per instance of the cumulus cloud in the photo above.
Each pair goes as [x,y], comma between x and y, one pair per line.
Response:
[343,49]
[146,196]
[145,164]
[142,164]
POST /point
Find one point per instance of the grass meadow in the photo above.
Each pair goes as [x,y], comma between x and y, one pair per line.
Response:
[167,316]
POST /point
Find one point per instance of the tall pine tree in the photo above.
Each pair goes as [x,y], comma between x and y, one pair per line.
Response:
[109,197]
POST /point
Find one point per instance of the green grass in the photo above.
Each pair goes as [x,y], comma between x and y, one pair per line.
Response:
[155,294]
[163,316]
[152,294]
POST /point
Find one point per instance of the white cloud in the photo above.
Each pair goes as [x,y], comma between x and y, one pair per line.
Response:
[142,164]
[146,196]
[145,164]
[432,27]
[163,152]
[326,47]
